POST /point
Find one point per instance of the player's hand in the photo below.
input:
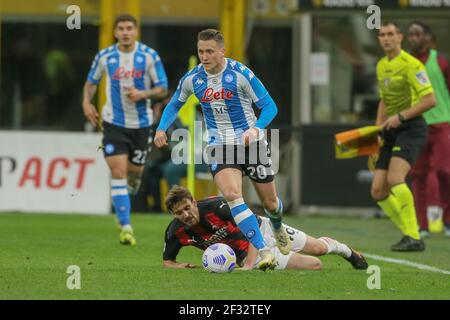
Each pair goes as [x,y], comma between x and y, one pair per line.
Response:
[392,122]
[160,139]
[245,268]
[135,95]
[187,266]
[250,135]
[91,114]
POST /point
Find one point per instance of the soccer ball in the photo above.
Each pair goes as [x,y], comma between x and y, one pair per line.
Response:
[219,258]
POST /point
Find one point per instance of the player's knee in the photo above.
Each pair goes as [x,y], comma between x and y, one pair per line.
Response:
[394,179]
[318,249]
[271,204]
[378,193]
[231,195]
[118,173]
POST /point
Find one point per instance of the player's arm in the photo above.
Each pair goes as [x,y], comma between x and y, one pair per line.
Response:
[153,93]
[426,103]
[170,112]
[418,80]
[172,247]
[159,79]
[263,101]
[381,113]
[90,88]
[177,265]
[89,110]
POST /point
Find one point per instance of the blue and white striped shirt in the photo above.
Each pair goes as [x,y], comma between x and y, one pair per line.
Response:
[141,69]
[226,99]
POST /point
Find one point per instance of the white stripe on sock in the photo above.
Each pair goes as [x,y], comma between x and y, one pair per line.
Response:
[235,203]
[242,216]
[119,192]
[118,182]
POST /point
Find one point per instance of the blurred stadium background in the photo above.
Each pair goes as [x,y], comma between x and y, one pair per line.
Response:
[316,57]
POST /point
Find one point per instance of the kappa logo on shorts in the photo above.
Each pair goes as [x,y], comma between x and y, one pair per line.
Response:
[396,148]
[109,148]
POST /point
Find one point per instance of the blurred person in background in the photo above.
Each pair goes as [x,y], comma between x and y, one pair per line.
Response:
[431,173]
[405,94]
[135,74]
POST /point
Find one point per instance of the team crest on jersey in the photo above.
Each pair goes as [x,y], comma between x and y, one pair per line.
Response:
[139,59]
[229,78]
[422,78]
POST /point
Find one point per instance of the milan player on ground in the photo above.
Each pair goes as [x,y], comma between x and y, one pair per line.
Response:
[226,90]
[210,221]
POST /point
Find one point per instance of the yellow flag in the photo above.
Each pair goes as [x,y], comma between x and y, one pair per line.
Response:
[357,142]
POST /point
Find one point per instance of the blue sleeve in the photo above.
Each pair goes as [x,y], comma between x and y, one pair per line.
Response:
[95,74]
[170,113]
[161,73]
[268,111]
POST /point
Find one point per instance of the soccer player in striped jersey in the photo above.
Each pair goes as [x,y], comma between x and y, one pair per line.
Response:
[226,90]
[209,221]
[134,75]
[406,93]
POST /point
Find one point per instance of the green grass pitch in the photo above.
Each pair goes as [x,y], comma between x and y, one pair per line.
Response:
[36,251]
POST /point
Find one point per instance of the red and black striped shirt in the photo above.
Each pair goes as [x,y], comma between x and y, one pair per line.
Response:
[216,225]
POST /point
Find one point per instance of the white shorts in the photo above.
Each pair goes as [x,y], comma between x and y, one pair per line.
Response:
[298,239]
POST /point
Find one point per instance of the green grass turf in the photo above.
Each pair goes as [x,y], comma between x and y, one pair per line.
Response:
[37,249]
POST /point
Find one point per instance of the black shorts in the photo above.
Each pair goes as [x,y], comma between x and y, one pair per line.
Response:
[404,142]
[254,161]
[133,142]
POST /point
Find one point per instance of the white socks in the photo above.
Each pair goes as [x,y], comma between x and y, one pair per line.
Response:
[336,247]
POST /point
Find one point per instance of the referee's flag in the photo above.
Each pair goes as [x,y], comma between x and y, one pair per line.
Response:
[357,142]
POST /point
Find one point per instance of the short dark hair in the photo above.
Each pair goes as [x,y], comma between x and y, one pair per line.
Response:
[211,34]
[176,195]
[392,23]
[125,18]
[426,28]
